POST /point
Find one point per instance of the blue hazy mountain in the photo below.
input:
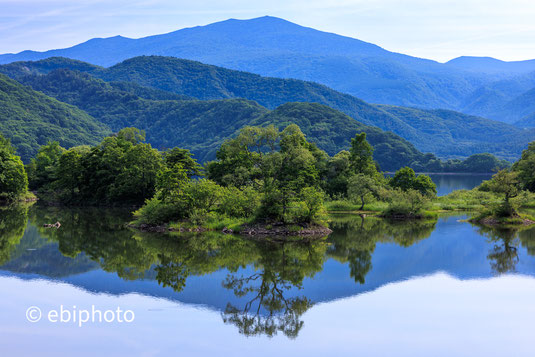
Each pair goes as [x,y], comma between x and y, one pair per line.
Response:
[491,65]
[509,100]
[274,47]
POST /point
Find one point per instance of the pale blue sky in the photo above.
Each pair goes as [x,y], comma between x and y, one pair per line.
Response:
[436,29]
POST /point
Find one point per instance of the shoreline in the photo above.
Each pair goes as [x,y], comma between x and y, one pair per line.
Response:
[257,230]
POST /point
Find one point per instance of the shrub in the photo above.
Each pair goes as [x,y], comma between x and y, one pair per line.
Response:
[157,212]
[239,203]
[408,203]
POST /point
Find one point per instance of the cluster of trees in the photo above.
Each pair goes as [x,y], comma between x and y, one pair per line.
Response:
[121,169]
[476,163]
[13,178]
[263,174]
[278,176]
[513,183]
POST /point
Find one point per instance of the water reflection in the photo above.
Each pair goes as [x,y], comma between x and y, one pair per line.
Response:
[280,268]
[12,223]
[354,239]
[274,269]
[503,254]
[262,287]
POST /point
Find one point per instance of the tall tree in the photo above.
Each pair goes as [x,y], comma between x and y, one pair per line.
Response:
[361,156]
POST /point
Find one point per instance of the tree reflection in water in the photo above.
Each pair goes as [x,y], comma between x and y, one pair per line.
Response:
[503,256]
[13,220]
[354,239]
[266,275]
[272,306]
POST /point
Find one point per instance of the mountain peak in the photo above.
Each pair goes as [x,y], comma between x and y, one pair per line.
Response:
[474,59]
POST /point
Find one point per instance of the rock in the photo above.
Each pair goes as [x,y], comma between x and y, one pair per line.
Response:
[55,225]
[227,230]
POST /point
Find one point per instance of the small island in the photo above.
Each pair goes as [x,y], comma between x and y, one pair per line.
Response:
[265,182]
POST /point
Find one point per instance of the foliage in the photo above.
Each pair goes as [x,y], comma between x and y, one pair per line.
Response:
[405,179]
[42,168]
[121,169]
[361,188]
[13,178]
[282,166]
[525,167]
[406,204]
[361,156]
[507,183]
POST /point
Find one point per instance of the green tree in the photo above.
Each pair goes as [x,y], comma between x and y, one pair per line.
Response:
[42,168]
[336,174]
[507,183]
[526,168]
[361,156]
[69,170]
[13,178]
[361,188]
[406,179]
[182,157]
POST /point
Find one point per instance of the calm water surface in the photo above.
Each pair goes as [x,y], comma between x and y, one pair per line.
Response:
[447,183]
[438,288]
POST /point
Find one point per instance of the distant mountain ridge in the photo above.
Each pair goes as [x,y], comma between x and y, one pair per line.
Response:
[491,65]
[445,133]
[277,48]
[199,125]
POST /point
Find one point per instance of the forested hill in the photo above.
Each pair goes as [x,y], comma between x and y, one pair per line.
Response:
[30,119]
[202,126]
[445,133]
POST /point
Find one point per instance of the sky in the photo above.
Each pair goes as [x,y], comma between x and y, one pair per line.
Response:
[434,29]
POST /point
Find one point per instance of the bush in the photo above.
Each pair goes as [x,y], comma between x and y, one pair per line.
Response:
[156,211]
[239,203]
[408,203]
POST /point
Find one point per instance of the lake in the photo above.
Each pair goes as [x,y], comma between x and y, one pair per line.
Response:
[372,287]
[447,183]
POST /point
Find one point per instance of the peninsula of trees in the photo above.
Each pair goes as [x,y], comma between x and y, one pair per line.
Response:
[263,176]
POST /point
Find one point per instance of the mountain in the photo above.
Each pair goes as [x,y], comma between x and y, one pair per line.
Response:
[453,134]
[507,100]
[523,106]
[491,65]
[444,133]
[527,122]
[30,119]
[203,125]
[274,47]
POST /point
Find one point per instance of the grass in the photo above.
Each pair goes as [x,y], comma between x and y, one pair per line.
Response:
[213,223]
[465,200]
[461,200]
[347,206]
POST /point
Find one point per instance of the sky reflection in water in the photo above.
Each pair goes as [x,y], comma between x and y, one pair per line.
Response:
[418,285]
